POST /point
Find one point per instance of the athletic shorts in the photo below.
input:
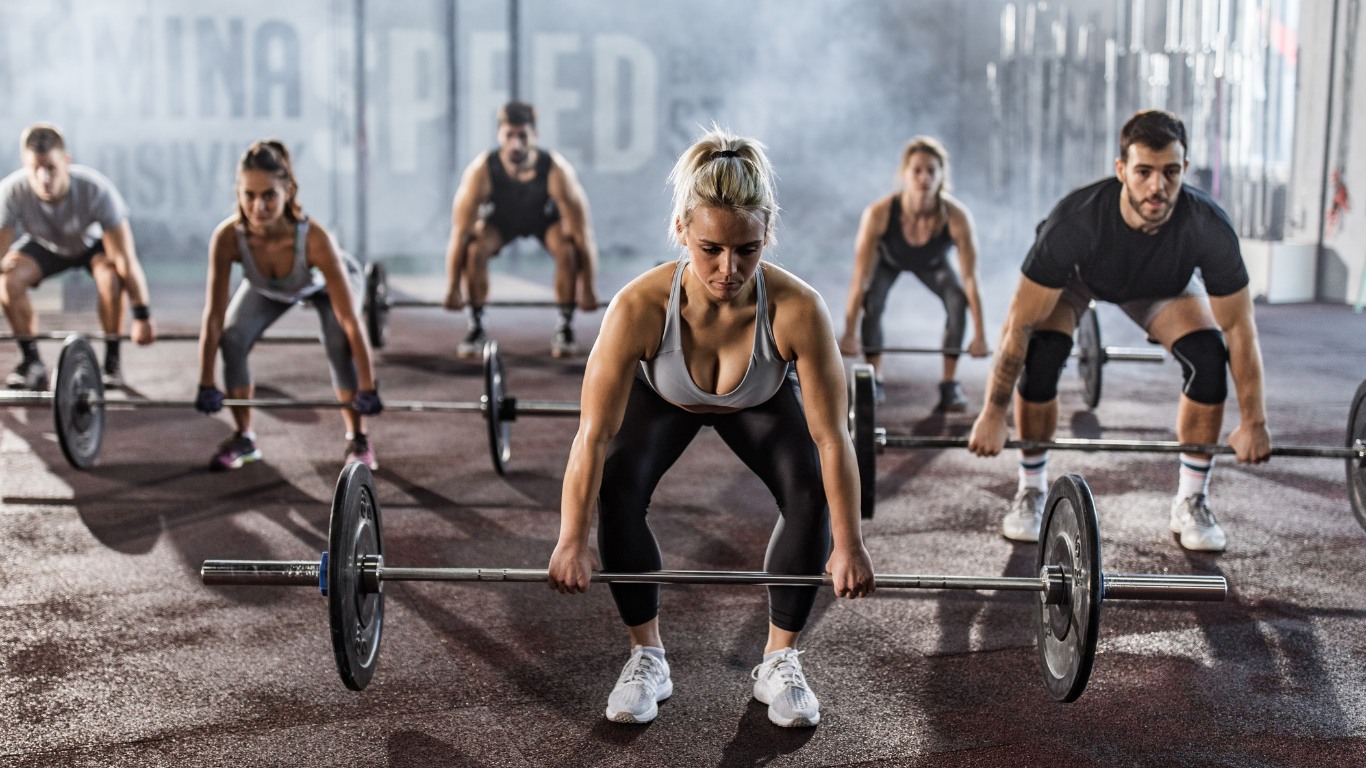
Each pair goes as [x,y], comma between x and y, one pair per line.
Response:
[50,263]
[1142,311]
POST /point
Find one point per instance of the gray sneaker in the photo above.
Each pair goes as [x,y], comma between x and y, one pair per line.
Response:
[30,375]
[951,398]
[1195,523]
[1021,523]
[643,683]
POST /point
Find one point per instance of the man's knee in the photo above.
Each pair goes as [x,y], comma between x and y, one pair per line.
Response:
[18,273]
[1048,353]
[1204,366]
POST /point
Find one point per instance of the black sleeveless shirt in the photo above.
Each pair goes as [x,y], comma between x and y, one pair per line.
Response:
[521,209]
[898,253]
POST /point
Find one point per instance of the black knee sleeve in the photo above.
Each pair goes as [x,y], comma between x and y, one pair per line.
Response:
[1204,366]
[1044,361]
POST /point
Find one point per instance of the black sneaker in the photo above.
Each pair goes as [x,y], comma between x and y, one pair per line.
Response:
[951,399]
[30,375]
[111,375]
[563,344]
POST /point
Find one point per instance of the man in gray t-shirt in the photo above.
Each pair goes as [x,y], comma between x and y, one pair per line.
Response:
[66,216]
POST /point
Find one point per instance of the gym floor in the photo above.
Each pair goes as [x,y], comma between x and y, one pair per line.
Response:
[114,653]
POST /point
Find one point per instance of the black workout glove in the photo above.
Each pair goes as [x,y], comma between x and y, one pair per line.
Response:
[209,400]
[367,402]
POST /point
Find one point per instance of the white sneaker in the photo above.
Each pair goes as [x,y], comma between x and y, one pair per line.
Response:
[1193,520]
[780,684]
[644,682]
[473,343]
[1021,523]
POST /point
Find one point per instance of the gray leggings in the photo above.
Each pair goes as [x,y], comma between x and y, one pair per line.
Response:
[942,280]
[250,314]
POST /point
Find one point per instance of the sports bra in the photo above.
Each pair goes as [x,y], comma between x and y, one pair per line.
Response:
[667,372]
[301,282]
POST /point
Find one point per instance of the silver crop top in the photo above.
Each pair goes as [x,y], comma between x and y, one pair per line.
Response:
[301,282]
[667,372]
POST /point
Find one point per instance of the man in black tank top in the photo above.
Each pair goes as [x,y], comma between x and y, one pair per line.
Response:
[1168,256]
[520,190]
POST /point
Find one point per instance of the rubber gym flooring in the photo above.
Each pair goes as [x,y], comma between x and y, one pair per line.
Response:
[114,653]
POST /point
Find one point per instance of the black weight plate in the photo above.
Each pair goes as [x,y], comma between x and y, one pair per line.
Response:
[1070,538]
[377,304]
[497,412]
[79,424]
[1090,355]
[862,416]
[1356,432]
[355,611]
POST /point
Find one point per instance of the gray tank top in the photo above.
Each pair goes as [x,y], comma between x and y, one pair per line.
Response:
[301,282]
[667,372]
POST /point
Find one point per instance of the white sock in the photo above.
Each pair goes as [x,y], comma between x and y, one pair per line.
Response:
[250,435]
[1034,471]
[1194,476]
[650,650]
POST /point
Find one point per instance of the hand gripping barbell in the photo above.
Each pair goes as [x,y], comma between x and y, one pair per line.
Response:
[869,440]
[78,401]
[1070,583]
[378,302]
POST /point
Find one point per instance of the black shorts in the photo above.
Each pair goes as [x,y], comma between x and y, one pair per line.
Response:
[516,224]
[50,263]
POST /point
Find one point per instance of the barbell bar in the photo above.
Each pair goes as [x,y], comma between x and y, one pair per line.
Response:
[272,338]
[1070,583]
[1090,354]
[378,302]
[869,440]
[78,402]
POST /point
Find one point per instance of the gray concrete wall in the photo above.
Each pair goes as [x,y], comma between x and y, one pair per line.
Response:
[163,96]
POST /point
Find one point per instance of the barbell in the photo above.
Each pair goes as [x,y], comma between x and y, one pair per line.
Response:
[378,302]
[1091,355]
[273,338]
[869,440]
[1070,583]
[78,402]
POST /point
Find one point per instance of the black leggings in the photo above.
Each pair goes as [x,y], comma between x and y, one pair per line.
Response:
[771,439]
[941,279]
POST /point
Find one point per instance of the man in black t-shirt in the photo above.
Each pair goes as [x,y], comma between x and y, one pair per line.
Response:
[520,190]
[1168,256]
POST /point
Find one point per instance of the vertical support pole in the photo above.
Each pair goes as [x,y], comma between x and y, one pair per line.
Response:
[514,49]
[362,153]
[1327,144]
[453,100]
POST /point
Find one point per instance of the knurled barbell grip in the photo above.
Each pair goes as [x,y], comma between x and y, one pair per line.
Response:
[284,403]
[516,406]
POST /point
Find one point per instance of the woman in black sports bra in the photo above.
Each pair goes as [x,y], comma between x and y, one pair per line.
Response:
[912,231]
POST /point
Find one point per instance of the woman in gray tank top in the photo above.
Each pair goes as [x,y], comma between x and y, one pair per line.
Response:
[725,340]
[286,259]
